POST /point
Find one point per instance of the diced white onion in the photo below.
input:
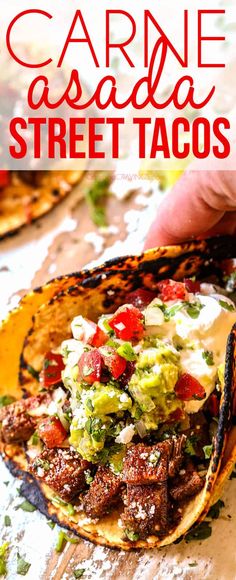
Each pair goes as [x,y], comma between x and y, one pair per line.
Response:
[126,435]
[141,429]
[154,316]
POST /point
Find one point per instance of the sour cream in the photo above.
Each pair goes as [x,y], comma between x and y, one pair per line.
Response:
[209,331]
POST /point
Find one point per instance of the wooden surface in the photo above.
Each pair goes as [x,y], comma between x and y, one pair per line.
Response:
[58,244]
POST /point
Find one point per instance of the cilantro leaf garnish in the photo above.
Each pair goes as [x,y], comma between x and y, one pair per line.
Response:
[33,372]
[193,310]
[62,539]
[214,511]
[201,532]
[207,355]
[207,449]
[79,572]
[95,197]
[227,306]
[26,506]
[7,521]
[132,536]
[189,445]
[22,566]
[6,400]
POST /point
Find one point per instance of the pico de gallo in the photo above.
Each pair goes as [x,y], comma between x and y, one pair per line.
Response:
[128,406]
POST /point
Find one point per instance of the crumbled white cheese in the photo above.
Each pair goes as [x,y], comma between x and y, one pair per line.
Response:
[126,435]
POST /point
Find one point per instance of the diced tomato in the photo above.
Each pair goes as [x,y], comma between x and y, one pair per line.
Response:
[191,285]
[52,367]
[177,415]
[90,366]
[113,361]
[4,178]
[99,338]
[127,323]
[52,432]
[89,332]
[214,405]
[187,388]
[140,298]
[171,290]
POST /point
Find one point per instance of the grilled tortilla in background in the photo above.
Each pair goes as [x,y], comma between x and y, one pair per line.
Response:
[27,195]
[42,321]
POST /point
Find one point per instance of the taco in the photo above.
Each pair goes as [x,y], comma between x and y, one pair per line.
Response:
[124,378]
[27,195]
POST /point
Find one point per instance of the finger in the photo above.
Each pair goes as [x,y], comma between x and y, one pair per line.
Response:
[195,206]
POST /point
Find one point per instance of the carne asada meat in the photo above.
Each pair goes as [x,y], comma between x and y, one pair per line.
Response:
[177,445]
[186,485]
[17,422]
[145,464]
[103,493]
[61,469]
[146,509]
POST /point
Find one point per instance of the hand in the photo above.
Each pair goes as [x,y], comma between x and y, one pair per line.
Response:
[201,204]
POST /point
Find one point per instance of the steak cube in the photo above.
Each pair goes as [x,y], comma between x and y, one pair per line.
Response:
[177,445]
[62,469]
[103,493]
[145,464]
[17,423]
[186,485]
[146,509]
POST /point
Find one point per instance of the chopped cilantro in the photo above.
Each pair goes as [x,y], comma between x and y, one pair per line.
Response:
[70,509]
[214,511]
[6,483]
[47,363]
[88,476]
[33,372]
[154,458]
[62,539]
[6,400]
[69,506]
[207,449]
[107,327]
[226,305]
[7,521]
[42,463]
[201,532]
[26,506]
[22,566]
[51,524]
[132,536]
[170,311]
[193,310]
[89,403]
[189,446]
[126,351]
[3,558]
[34,439]
[95,197]
[207,355]
[78,573]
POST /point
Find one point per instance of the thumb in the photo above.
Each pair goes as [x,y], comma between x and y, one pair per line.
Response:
[197,206]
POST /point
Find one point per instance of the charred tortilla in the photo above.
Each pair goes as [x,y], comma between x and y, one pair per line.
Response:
[27,195]
[41,323]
